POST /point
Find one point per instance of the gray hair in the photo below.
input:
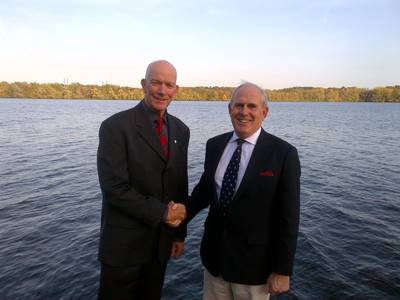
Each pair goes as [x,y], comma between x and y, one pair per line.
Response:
[262,92]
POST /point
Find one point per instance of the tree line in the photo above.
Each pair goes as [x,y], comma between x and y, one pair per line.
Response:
[116,92]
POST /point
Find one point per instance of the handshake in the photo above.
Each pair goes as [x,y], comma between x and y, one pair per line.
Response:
[176,214]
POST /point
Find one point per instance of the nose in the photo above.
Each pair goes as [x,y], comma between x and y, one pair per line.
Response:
[161,89]
[244,110]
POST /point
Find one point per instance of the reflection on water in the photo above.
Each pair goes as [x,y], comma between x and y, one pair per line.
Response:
[349,243]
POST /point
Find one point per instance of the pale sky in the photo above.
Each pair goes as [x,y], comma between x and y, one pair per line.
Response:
[276,44]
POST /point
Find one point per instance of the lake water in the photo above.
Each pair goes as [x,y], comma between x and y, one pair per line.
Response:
[349,242]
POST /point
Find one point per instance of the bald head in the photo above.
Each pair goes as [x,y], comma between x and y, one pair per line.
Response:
[159,85]
[163,65]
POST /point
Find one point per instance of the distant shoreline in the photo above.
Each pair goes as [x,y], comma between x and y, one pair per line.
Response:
[75,91]
[198,100]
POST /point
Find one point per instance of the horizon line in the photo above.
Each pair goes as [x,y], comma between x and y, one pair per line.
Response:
[105,83]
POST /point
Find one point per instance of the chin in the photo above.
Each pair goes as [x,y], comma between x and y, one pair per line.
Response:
[241,134]
[242,129]
[160,105]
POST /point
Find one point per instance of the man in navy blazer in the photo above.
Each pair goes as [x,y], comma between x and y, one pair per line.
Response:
[142,167]
[249,243]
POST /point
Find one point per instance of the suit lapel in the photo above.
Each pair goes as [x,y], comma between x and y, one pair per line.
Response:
[218,151]
[261,149]
[146,130]
[174,140]
[215,157]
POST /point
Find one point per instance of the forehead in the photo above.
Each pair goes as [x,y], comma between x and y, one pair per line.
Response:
[162,71]
[248,94]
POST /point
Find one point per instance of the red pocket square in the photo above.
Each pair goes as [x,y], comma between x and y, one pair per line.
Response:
[267,173]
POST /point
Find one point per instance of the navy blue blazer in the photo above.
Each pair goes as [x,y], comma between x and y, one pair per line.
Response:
[259,234]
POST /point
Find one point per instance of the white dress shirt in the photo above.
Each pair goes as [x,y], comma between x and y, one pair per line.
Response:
[247,150]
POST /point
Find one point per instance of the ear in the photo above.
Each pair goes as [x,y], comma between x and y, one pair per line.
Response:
[265,111]
[143,83]
[176,89]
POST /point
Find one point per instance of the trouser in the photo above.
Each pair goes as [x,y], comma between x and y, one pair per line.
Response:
[141,282]
[216,288]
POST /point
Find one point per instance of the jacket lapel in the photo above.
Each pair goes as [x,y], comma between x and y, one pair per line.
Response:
[146,130]
[215,157]
[174,140]
[261,149]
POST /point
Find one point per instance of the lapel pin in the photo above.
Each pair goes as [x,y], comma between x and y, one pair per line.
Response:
[174,141]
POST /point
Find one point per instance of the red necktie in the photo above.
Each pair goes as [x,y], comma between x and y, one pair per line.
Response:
[161,135]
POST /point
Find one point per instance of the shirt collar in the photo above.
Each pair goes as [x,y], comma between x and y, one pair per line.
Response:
[251,139]
[153,115]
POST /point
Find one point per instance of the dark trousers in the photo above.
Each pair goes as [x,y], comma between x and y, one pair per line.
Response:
[141,282]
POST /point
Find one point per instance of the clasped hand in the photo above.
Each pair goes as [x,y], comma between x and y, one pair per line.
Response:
[176,214]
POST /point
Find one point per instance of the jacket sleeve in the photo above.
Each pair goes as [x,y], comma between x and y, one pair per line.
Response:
[287,214]
[113,174]
[181,231]
[200,197]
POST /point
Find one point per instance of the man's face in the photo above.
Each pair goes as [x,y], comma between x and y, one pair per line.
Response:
[247,111]
[159,86]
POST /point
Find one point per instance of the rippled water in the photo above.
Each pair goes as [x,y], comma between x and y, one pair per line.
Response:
[349,243]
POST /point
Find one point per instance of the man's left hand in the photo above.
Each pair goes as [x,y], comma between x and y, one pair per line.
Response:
[177,248]
[277,284]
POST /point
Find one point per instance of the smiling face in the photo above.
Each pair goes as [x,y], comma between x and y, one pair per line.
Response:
[247,110]
[159,86]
